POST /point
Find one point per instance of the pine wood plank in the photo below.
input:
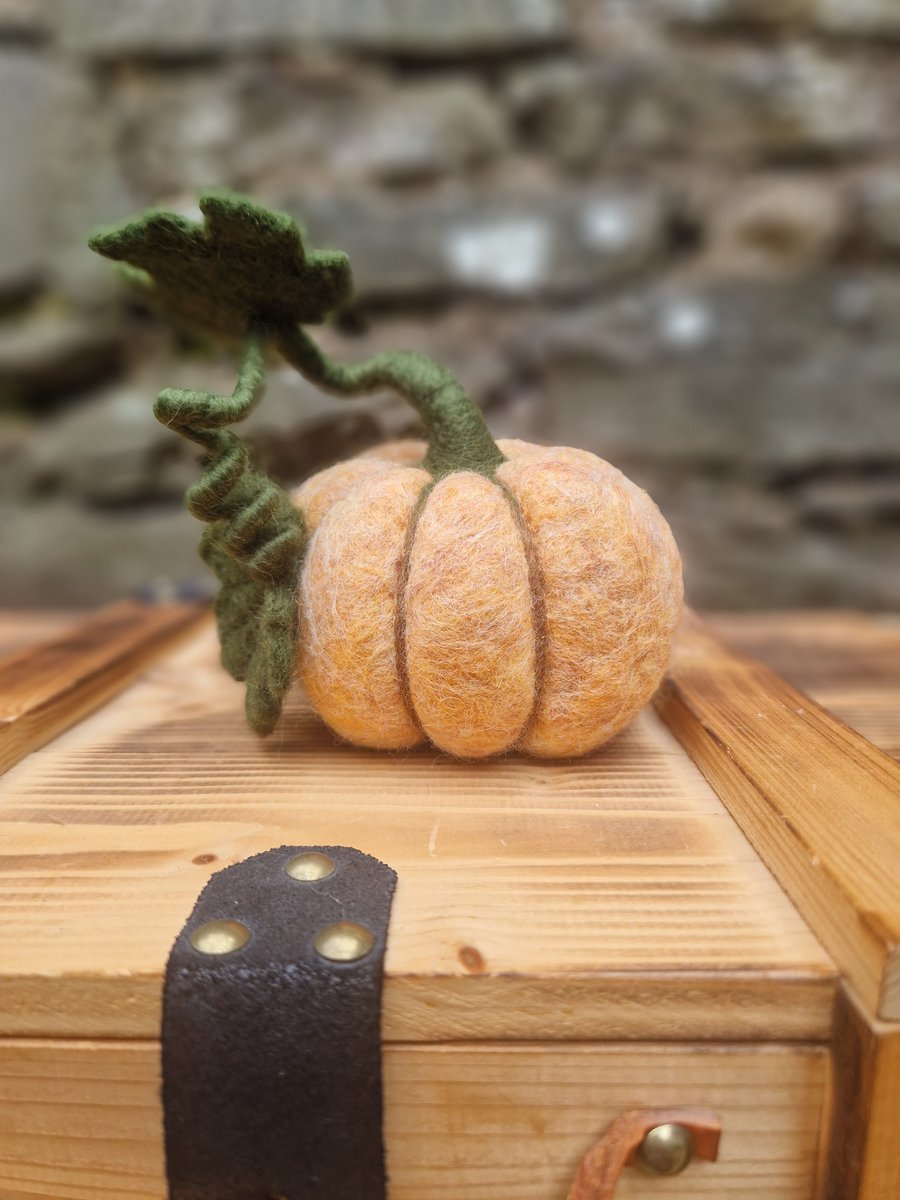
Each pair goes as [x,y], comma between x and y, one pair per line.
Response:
[24,627]
[826,648]
[604,898]
[82,1120]
[864,1147]
[818,801]
[848,662]
[872,712]
[48,687]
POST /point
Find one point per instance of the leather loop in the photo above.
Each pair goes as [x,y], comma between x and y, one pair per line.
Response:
[271,1036]
[618,1146]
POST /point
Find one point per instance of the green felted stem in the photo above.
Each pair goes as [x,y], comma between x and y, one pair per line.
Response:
[254,539]
[458,438]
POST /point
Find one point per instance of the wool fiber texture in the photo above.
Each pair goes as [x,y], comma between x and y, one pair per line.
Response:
[349,612]
[321,492]
[532,611]
[611,582]
[468,602]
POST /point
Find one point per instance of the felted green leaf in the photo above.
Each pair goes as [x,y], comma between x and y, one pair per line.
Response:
[243,265]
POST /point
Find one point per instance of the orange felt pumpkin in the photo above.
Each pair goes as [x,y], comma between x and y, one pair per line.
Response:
[534,610]
[484,597]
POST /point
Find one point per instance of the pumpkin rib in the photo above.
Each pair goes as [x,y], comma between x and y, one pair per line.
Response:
[400,646]
[469,632]
[318,494]
[613,595]
[348,604]
[538,609]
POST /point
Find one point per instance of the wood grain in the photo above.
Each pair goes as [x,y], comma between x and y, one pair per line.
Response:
[818,801]
[82,1120]
[828,648]
[848,662]
[25,627]
[607,897]
[864,1144]
[48,687]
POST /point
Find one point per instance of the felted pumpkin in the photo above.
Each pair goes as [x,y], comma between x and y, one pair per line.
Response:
[483,596]
[533,608]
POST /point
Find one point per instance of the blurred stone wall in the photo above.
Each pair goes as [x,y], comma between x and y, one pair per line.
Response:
[664,230]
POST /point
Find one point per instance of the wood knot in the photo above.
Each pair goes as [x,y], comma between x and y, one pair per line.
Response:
[471,959]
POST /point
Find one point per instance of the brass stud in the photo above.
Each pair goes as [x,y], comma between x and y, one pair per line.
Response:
[309,867]
[220,937]
[344,941]
[667,1149]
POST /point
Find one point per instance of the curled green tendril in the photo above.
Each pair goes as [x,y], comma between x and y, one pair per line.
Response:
[254,539]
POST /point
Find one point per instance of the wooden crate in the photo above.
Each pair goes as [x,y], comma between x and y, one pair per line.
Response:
[568,940]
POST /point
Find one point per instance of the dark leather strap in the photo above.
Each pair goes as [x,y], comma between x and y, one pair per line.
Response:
[271,1053]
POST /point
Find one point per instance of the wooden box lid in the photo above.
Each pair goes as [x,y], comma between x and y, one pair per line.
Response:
[612,897]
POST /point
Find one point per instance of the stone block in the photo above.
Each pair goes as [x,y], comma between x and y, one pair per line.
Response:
[565,108]
[59,554]
[397,27]
[15,440]
[777,378]
[746,546]
[23,90]
[23,18]
[823,103]
[82,172]
[772,103]
[106,451]
[419,132]
[861,18]
[250,124]
[706,13]
[856,18]
[850,501]
[498,244]
[174,133]
[776,224]
[880,207]
[53,356]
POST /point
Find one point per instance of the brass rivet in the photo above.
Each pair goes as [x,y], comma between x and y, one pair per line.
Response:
[344,941]
[667,1149]
[309,867]
[220,937]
